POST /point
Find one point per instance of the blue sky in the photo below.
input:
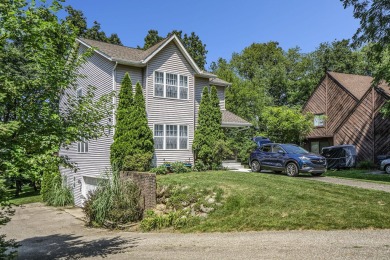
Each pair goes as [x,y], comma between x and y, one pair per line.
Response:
[225,26]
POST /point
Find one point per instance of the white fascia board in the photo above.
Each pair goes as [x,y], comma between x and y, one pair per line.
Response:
[95,50]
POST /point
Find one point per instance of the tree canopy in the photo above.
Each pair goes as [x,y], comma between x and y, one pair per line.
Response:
[79,22]
[38,64]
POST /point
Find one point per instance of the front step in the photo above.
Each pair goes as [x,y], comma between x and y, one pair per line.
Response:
[234,166]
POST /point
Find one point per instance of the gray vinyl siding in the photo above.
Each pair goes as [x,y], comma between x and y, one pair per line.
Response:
[221,96]
[98,72]
[171,111]
[200,83]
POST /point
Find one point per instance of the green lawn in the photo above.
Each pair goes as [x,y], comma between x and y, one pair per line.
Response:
[28,195]
[363,175]
[260,201]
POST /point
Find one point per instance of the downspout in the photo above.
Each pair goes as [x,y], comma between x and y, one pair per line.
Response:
[114,97]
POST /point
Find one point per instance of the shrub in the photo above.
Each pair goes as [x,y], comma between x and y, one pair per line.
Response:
[54,190]
[179,167]
[162,169]
[366,165]
[138,162]
[113,203]
[199,166]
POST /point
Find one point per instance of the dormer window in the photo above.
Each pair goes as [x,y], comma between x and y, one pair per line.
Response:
[170,85]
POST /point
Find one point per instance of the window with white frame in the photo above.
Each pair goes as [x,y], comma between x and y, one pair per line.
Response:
[82,147]
[170,137]
[170,85]
[319,120]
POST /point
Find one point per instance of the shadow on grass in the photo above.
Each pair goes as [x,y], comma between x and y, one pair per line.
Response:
[61,246]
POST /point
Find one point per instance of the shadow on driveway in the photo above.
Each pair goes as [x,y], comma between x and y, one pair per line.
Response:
[61,246]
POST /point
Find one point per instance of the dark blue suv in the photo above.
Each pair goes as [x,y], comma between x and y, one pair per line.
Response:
[290,158]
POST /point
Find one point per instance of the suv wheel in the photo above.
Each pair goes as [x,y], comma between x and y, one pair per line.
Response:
[255,166]
[387,168]
[292,169]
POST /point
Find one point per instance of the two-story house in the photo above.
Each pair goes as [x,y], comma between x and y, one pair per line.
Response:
[346,110]
[172,84]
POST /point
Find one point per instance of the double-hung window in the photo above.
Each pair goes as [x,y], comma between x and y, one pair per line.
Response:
[170,85]
[170,137]
[159,84]
[82,147]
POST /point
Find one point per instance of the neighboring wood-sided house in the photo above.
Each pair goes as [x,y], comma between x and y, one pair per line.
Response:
[172,84]
[346,110]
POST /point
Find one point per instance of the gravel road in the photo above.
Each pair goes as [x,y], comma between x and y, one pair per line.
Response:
[49,233]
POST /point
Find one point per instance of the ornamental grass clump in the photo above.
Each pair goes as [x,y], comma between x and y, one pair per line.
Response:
[113,204]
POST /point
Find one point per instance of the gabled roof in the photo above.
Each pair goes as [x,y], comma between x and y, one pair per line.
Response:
[231,120]
[121,53]
[357,85]
[219,82]
[137,57]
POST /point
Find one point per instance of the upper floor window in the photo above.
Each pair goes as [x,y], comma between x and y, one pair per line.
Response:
[82,147]
[319,120]
[170,137]
[170,85]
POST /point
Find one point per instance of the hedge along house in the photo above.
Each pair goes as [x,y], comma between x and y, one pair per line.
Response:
[346,110]
[172,84]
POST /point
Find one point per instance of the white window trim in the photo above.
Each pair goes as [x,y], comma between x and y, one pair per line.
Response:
[83,143]
[178,137]
[165,85]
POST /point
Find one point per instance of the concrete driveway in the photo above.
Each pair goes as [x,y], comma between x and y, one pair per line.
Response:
[49,233]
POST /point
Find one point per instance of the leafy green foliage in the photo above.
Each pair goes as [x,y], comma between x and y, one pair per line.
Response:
[114,203]
[192,43]
[209,145]
[285,125]
[79,22]
[162,169]
[179,167]
[55,191]
[38,64]
[375,30]
[199,166]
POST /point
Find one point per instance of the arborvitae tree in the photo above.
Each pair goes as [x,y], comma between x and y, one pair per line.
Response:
[140,136]
[121,146]
[209,145]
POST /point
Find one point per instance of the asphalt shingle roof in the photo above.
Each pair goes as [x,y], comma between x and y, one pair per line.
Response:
[230,119]
[118,52]
[357,85]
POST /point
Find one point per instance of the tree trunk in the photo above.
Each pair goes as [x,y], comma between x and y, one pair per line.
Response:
[18,187]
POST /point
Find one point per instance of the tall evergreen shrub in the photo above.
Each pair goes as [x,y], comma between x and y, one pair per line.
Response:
[122,144]
[209,145]
[133,145]
[141,136]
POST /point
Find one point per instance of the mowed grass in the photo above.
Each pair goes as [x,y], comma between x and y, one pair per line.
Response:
[364,175]
[260,201]
[26,196]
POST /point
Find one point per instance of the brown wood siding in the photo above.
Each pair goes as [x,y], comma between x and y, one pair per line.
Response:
[339,104]
[317,105]
[381,127]
[358,129]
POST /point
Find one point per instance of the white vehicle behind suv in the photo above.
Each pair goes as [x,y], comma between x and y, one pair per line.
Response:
[385,166]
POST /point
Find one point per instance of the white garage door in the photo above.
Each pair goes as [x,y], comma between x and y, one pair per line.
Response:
[90,184]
